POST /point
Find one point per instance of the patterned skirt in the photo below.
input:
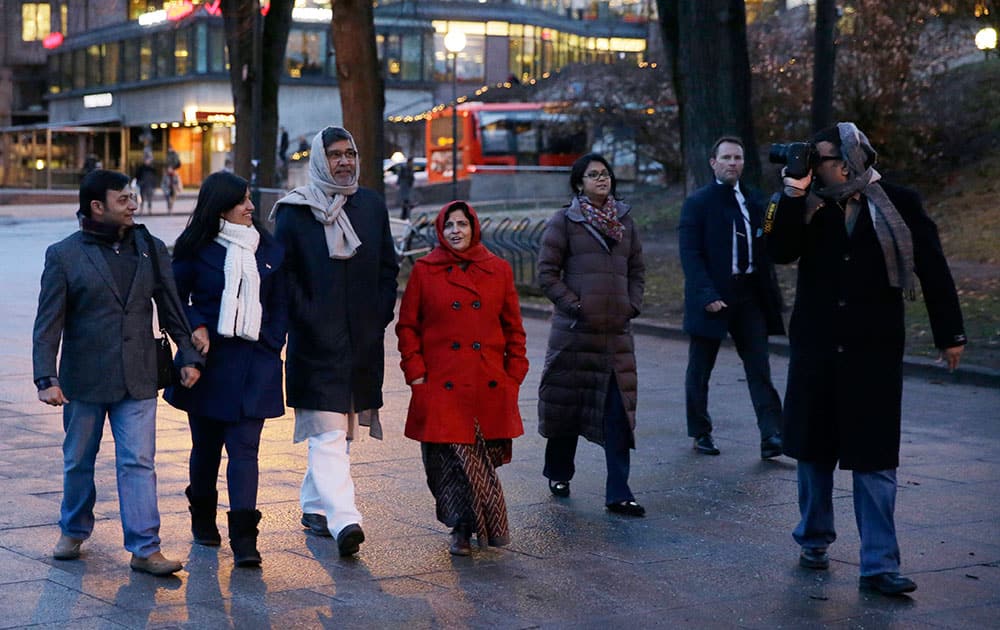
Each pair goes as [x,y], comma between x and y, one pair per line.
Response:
[466,489]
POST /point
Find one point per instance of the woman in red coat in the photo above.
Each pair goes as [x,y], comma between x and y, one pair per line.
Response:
[463,354]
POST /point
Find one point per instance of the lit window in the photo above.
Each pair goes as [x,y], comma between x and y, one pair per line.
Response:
[36,21]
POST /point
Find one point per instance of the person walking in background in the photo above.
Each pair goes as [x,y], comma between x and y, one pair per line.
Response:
[229,277]
[173,159]
[591,267]
[341,269]
[145,176]
[171,185]
[729,286]
[858,241]
[405,181]
[95,303]
[462,348]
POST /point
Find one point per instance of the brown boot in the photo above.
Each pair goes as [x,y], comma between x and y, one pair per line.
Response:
[155,564]
[67,548]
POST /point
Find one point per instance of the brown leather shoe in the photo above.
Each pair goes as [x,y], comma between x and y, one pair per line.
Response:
[155,564]
[460,545]
[67,548]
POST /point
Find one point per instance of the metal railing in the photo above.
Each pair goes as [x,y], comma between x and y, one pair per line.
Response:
[516,240]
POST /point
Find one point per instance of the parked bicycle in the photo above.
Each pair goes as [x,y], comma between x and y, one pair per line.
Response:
[412,238]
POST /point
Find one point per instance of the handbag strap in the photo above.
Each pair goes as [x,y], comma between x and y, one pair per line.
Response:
[156,261]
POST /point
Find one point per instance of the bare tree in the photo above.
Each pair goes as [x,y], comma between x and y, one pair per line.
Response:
[242,18]
[362,90]
[706,44]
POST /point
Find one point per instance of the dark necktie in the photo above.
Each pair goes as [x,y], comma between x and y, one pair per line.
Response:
[742,251]
[742,246]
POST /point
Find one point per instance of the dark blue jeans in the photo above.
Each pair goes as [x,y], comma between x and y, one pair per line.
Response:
[242,442]
[874,513]
[560,451]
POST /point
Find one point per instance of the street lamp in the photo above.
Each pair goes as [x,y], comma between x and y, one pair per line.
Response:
[454,43]
[986,40]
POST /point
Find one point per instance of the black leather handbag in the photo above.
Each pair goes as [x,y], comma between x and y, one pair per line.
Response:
[166,374]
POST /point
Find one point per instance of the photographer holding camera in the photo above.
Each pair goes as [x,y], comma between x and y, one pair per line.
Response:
[858,242]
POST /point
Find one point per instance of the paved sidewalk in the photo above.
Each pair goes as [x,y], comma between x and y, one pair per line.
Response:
[715,550]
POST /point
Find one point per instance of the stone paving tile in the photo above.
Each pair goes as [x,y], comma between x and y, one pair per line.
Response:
[42,601]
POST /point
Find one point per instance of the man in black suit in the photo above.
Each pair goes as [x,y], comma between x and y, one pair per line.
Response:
[95,302]
[729,287]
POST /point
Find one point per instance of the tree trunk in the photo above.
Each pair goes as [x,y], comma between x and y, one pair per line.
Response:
[238,17]
[277,24]
[711,80]
[359,76]
[824,62]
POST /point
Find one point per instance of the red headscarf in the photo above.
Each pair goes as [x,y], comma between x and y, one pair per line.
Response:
[444,253]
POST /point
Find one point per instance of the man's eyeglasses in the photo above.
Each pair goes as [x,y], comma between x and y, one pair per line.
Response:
[828,158]
[349,155]
[598,175]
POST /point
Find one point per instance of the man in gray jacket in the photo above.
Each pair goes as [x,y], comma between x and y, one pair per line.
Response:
[96,293]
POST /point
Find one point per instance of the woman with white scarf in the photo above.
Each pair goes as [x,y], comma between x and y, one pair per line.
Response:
[229,276]
[341,269]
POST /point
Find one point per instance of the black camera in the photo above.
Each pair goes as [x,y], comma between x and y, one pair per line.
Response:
[798,157]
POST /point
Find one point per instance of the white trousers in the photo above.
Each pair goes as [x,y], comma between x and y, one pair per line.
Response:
[327,487]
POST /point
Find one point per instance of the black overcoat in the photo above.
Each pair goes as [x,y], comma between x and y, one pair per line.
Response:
[706,248]
[338,309]
[847,330]
[597,289]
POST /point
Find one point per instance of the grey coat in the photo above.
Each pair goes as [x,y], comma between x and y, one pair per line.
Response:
[108,352]
[597,289]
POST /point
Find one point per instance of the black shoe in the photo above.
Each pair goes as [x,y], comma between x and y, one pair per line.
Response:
[243,537]
[349,540]
[203,514]
[704,444]
[559,488]
[316,523]
[887,584]
[459,545]
[628,508]
[814,559]
[771,447]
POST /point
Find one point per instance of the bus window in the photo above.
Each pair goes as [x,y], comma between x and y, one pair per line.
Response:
[496,138]
[440,132]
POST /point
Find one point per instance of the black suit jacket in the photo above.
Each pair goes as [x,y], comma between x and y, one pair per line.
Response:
[706,250]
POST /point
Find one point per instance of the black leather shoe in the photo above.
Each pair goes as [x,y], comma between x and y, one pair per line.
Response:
[349,540]
[316,523]
[628,508]
[814,559]
[704,445]
[559,488]
[771,447]
[887,584]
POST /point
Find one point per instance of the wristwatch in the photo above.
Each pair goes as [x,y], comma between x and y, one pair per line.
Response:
[46,382]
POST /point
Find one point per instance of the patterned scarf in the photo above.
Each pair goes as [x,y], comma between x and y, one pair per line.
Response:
[893,234]
[603,219]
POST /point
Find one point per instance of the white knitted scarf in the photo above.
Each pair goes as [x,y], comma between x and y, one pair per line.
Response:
[240,311]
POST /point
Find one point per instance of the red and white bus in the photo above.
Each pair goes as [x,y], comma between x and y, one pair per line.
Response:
[502,134]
